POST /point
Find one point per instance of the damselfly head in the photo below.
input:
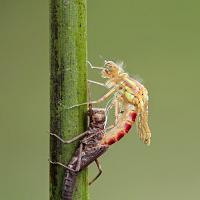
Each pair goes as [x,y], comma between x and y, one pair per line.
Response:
[111,70]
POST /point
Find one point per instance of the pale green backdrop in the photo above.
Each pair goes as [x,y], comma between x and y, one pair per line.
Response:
[159,41]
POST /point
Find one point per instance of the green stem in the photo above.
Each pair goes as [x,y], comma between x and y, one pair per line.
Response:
[67,87]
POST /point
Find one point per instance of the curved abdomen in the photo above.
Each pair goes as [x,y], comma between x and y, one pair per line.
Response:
[121,129]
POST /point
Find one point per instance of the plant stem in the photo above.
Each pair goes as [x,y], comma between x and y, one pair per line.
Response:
[67,88]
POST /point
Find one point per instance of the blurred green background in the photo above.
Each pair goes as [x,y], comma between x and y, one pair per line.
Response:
[160,44]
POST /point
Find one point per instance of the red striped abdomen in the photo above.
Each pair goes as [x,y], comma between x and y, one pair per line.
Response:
[117,133]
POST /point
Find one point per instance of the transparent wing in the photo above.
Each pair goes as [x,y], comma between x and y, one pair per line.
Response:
[143,127]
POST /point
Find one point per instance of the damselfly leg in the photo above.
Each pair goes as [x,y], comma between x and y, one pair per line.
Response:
[100,172]
[97,83]
[93,67]
[71,140]
[61,164]
[115,102]
[104,97]
[78,162]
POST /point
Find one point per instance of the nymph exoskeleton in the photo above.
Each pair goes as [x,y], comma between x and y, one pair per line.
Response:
[89,150]
[132,96]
